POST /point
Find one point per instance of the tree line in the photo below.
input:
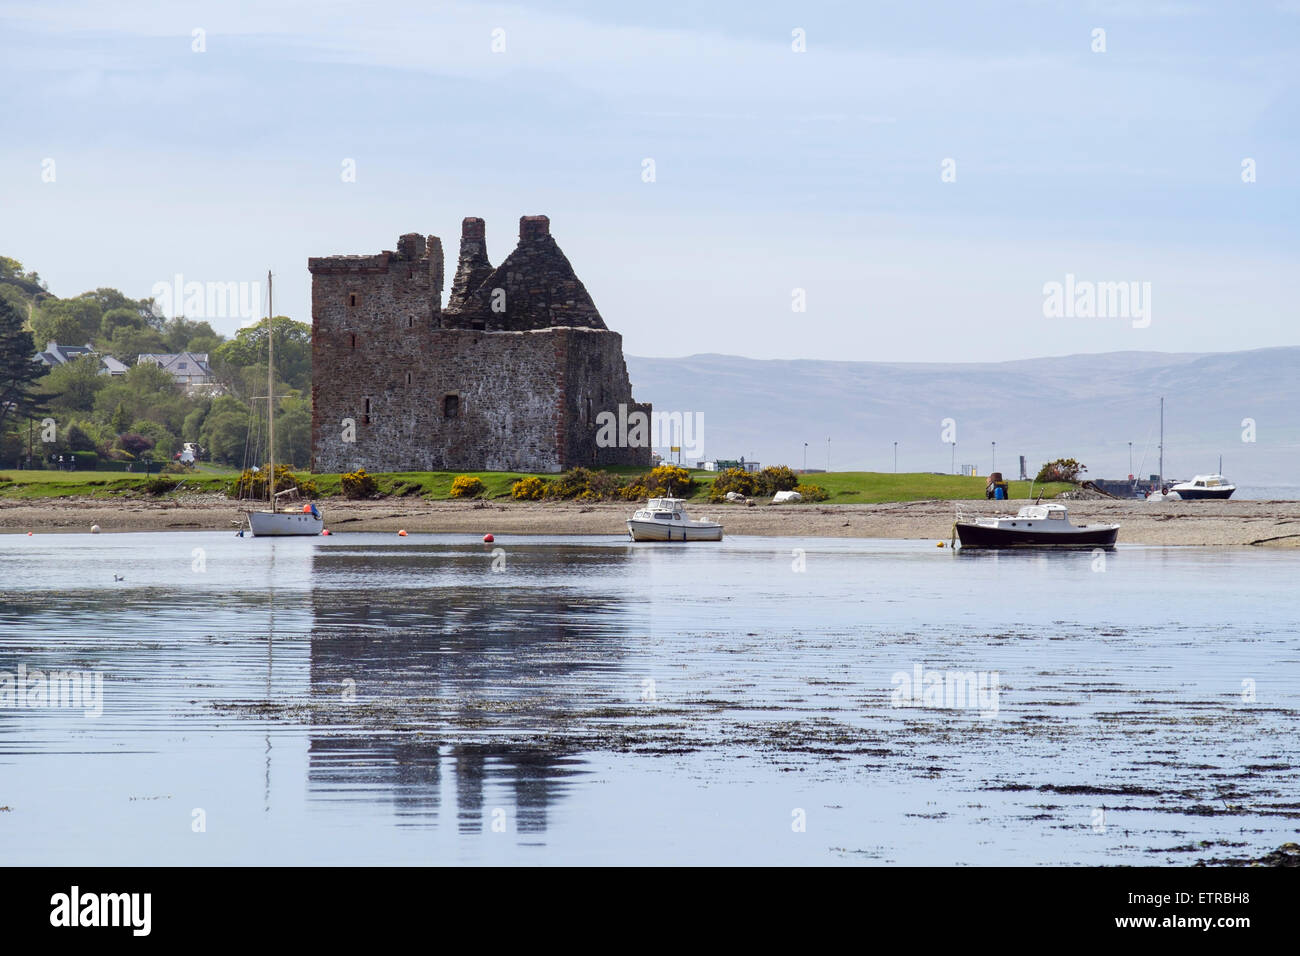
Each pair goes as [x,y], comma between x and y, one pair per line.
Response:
[143,413]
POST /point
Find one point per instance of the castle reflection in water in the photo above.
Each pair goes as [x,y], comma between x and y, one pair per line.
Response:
[465,656]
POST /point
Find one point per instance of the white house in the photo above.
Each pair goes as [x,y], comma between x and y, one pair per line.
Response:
[187,368]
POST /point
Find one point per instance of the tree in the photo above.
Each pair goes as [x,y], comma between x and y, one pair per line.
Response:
[72,387]
[293,430]
[66,321]
[115,319]
[188,335]
[146,392]
[224,432]
[108,300]
[79,439]
[120,420]
[247,350]
[1063,469]
[18,372]
[130,342]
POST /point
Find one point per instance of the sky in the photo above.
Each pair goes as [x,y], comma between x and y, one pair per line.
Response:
[854,181]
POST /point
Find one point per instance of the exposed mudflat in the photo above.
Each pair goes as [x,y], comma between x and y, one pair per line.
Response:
[1213,523]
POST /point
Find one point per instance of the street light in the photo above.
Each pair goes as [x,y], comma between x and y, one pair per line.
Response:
[805,457]
[995,458]
[895,457]
[828,454]
[954,456]
[1130,459]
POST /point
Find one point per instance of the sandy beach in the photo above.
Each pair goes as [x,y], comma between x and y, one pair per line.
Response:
[1213,523]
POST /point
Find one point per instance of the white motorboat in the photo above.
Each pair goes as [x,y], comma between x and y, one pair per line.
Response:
[1033,526]
[1205,486]
[664,519]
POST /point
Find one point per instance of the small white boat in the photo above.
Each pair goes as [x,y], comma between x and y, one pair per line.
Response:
[1033,526]
[664,519]
[275,520]
[1205,486]
[286,521]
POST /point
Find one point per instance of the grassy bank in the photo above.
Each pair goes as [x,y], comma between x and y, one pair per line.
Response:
[845,487]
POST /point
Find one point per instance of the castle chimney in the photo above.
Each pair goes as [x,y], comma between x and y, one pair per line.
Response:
[433,249]
[532,228]
[410,245]
[473,266]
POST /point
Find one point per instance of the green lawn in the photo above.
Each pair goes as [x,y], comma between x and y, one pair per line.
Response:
[872,487]
[845,487]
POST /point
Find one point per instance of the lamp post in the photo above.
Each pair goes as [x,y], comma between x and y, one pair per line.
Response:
[805,456]
[828,454]
[995,458]
[954,457]
[1130,459]
[895,457]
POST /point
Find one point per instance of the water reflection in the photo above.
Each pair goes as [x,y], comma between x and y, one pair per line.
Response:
[477,648]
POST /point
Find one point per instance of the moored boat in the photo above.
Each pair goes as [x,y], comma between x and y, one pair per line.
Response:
[1033,526]
[1205,486]
[665,519]
[276,521]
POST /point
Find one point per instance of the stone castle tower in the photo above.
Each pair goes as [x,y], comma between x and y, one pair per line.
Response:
[509,376]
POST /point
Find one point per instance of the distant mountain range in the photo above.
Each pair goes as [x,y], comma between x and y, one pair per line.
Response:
[1087,407]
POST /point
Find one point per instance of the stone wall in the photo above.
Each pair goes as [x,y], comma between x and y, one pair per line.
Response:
[425,391]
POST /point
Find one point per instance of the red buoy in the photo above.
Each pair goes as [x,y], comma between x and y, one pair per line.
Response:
[326,531]
[488,539]
[402,533]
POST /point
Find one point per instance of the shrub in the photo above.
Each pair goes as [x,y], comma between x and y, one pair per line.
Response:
[466,486]
[159,486]
[135,445]
[176,468]
[531,488]
[776,478]
[734,479]
[602,486]
[664,481]
[86,460]
[357,484]
[812,492]
[584,484]
[1063,469]
[252,484]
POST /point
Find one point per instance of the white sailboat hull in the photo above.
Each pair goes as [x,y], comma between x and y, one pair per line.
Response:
[285,523]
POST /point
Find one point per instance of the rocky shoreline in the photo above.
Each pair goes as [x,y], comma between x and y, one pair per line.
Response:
[1205,523]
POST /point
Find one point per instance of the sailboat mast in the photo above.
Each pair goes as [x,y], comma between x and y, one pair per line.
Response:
[1162,443]
[270,391]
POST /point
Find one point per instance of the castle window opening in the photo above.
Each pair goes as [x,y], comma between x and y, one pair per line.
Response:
[450,406]
[365,419]
[408,378]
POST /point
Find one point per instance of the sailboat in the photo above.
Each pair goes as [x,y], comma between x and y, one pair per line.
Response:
[279,519]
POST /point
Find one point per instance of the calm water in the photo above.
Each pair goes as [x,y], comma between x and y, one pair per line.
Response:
[365,698]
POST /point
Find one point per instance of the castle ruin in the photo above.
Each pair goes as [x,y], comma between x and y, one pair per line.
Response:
[511,375]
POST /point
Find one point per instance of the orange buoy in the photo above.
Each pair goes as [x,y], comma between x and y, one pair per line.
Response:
[29,534]
[306,509]
[326,531]
[488,539]
[402,533]
[938,544]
